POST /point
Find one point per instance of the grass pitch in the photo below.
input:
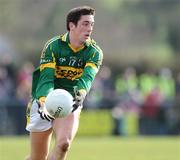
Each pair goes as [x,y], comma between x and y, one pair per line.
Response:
[102,148]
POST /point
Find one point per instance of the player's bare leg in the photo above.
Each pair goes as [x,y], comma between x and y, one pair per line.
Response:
[65,130]
[40,142]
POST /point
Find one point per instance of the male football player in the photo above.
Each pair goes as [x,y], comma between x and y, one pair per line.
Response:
[67,61]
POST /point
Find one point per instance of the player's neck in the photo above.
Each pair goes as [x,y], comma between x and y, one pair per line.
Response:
[75,42]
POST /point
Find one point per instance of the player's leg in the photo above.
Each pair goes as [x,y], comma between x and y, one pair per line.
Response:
[65,130]
[40,133]
[40,142]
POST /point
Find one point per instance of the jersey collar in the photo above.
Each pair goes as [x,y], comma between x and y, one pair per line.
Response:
[65,37]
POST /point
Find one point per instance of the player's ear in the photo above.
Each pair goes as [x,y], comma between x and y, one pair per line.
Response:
[71,26]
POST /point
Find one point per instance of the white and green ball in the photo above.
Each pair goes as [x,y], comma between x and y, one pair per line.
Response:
[59,103]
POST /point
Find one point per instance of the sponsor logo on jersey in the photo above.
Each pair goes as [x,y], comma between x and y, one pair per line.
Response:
[68,72]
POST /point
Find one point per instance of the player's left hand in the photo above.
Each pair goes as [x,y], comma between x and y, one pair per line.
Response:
[78,99]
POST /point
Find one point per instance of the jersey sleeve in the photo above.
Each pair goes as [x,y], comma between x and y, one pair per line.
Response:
[91,69]
[47,71]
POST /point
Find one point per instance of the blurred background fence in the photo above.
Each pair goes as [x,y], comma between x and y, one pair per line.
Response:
[137,91]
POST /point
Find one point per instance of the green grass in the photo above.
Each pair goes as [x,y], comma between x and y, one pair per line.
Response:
[103,148]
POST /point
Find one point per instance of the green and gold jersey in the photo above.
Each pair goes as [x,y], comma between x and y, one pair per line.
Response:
[62,66]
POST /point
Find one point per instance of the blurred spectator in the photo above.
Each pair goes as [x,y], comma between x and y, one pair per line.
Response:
[173,114]
[149,112]
[166,85]
[7,62]
[148,85]
[152,103]
[147,82]
[103,97]
[108,92]
[7,86]
[117,115]
[126,86]
[129,100]
[24,79]
[94,98]
[177,87]
[126,82]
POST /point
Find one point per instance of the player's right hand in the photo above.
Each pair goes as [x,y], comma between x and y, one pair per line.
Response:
[43,111]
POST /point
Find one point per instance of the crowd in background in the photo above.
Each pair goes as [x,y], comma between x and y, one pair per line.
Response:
[15,84]
[147,102]
[142,101]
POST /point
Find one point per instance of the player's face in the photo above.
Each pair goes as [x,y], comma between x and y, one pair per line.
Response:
[84,28]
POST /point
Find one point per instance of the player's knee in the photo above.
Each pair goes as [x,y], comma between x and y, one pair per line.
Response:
[63,145]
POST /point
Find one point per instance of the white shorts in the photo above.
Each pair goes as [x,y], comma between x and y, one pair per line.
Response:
[34,122]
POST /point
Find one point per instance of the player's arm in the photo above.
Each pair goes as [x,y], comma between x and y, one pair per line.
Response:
[46,80]
[91,69]
[85,81]
[47,71]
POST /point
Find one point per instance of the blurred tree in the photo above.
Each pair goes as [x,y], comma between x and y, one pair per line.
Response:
[129,31]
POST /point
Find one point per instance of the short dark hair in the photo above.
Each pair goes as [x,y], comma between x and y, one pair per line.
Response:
[75,14]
